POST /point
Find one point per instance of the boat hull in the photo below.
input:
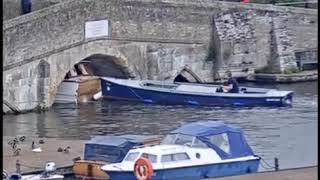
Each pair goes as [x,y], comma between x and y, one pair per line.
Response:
[195,172]
[121,92]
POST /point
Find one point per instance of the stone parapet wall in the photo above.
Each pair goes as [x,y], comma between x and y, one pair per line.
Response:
[63,24]
[12,8]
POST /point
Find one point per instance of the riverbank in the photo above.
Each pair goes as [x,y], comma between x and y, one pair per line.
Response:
[302,76]
[35,161]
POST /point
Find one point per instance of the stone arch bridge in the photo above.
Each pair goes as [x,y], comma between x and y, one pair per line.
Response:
[148,39]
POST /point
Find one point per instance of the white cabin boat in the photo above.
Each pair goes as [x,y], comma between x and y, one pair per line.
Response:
[194,151]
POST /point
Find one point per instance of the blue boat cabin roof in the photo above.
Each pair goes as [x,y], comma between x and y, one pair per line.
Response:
[209,131]
[206,128]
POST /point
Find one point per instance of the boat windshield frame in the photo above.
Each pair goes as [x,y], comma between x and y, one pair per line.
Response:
[135,156]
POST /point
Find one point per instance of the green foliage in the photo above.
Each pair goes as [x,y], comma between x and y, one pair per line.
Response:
[275,1]
[291,70]
[295,3]
[264,69]
[211,54]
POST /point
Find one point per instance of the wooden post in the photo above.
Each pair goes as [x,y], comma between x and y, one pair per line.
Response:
[18,166]
[306,4]
[276,164]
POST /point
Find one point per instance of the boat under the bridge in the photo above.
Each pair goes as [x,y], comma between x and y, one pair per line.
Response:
[173,93]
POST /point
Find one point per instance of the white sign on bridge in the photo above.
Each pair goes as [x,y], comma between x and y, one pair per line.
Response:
[94,29]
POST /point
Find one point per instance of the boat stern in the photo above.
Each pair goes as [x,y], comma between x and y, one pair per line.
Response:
[280,98]
[287,99]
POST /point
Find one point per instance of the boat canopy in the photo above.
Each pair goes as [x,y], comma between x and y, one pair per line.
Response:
[110,148]
[227,140]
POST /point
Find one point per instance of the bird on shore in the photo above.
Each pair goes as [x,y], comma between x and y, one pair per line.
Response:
[22,138]
[34,148]
[17,152]
[66,150]
[76,159]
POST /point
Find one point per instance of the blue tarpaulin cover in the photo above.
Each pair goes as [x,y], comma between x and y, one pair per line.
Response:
[204,129]
[110,148]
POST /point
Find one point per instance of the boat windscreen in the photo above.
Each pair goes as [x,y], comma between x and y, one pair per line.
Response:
[169,139]
[131,156]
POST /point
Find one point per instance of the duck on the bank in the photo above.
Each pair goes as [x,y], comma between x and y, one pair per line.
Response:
[34,148]
[66,150]
[41,141]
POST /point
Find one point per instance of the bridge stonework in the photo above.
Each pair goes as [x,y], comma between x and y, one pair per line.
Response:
[152,39]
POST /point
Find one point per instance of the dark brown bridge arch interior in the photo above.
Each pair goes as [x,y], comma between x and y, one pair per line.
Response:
[101,65]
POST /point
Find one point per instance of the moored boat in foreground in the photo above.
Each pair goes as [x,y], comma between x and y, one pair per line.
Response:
[47,174]
[194,151]
[170,93]
[101,150]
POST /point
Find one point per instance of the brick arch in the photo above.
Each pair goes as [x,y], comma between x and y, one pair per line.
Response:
[187,75]
[107,65]
[58,70]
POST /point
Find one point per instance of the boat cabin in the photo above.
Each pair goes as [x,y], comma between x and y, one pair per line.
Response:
[195,142]
[194,151]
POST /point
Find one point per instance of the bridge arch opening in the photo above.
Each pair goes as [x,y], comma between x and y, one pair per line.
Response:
[82,81]
[101,65]
[187,75]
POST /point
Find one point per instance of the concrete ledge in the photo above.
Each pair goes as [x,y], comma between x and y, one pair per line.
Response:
[306,173]
[284,78]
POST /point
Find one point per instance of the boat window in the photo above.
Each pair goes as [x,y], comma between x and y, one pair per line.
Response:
[222,141]
[132,156]
[151,157]
[175,157]
[167,158]
[198,143]
[181,156]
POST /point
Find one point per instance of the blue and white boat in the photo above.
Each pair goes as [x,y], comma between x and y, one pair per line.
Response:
[197,150]
[170,93]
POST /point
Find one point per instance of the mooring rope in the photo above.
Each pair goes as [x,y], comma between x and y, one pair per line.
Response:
[267,164]
[33,167]
[29,166]
[136,94]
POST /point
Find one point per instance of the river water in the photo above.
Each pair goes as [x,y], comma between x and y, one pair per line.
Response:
[288,133]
